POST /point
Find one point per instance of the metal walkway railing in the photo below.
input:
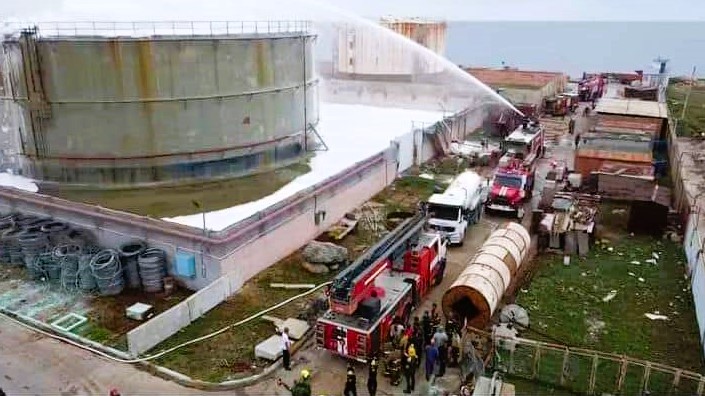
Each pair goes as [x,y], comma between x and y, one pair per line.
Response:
[159,28]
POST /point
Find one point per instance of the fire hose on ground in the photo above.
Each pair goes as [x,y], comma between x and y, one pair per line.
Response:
[174,348]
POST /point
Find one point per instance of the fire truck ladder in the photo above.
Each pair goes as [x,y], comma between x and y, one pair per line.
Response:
[389,247]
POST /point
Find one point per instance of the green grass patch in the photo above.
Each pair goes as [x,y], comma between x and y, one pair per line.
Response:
[565,302]
[96,333]
[693,124]
[232,354]
[566,306]
[405,193]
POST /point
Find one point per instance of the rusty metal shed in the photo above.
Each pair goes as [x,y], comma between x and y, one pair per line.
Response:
[632,107]
[588,160]
[611,123]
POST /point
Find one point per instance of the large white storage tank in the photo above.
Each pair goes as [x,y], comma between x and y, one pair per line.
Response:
[475,295]
[366,51]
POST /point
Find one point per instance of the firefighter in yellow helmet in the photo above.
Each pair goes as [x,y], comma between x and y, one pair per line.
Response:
[302,386]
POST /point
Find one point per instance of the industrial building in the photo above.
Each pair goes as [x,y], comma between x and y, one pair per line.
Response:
[99,110]
[369,52]
[521,87]
[625,134]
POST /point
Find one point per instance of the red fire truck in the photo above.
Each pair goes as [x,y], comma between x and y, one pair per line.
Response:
[385,283]
[513,181]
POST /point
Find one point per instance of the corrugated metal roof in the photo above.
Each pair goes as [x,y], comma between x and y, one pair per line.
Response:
[621,156]
[514,77]
[622,131]
[622,123]
[632,107]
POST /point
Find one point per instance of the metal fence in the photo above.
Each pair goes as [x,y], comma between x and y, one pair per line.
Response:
[592,372]
[160,28]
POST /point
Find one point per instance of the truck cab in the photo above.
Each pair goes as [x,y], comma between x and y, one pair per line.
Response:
[458,207]
[509,190]
[513,181]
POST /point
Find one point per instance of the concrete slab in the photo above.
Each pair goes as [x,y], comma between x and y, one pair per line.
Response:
[276,321]
[297,328]
[270,349]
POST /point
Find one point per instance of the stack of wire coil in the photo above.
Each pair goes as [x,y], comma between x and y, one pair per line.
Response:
[86,280]
[57,232]
[44,268]
[128,257]
[107,272]
[152,264]
[33,243]
[67,256]
[7,244]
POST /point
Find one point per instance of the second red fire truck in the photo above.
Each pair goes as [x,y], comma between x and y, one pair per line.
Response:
[513,181]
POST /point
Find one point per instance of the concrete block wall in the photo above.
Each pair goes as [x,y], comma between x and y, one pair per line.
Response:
[250,259]
[156,330]
[152,332]
[417,96]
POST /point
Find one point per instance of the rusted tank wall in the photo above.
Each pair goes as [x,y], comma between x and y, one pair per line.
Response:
[474,296]
[140,103]
[364,50]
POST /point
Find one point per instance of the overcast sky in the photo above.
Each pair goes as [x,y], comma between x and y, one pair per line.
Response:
[623,10]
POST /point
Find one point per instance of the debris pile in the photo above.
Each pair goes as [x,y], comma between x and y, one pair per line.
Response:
[568,224]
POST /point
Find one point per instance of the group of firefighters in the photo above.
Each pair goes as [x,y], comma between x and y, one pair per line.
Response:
[424,339]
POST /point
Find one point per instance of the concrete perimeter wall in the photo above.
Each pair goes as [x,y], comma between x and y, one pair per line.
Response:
[686,199]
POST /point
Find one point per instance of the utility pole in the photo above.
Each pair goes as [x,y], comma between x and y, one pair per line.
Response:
[198,206]
[687,96]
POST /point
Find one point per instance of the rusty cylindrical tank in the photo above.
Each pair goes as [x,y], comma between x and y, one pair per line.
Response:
[474,296]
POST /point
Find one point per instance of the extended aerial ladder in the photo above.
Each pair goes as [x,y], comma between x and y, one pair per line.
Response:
[355,283]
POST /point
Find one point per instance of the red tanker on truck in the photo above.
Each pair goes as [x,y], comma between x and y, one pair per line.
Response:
[385,283]
[513,180]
